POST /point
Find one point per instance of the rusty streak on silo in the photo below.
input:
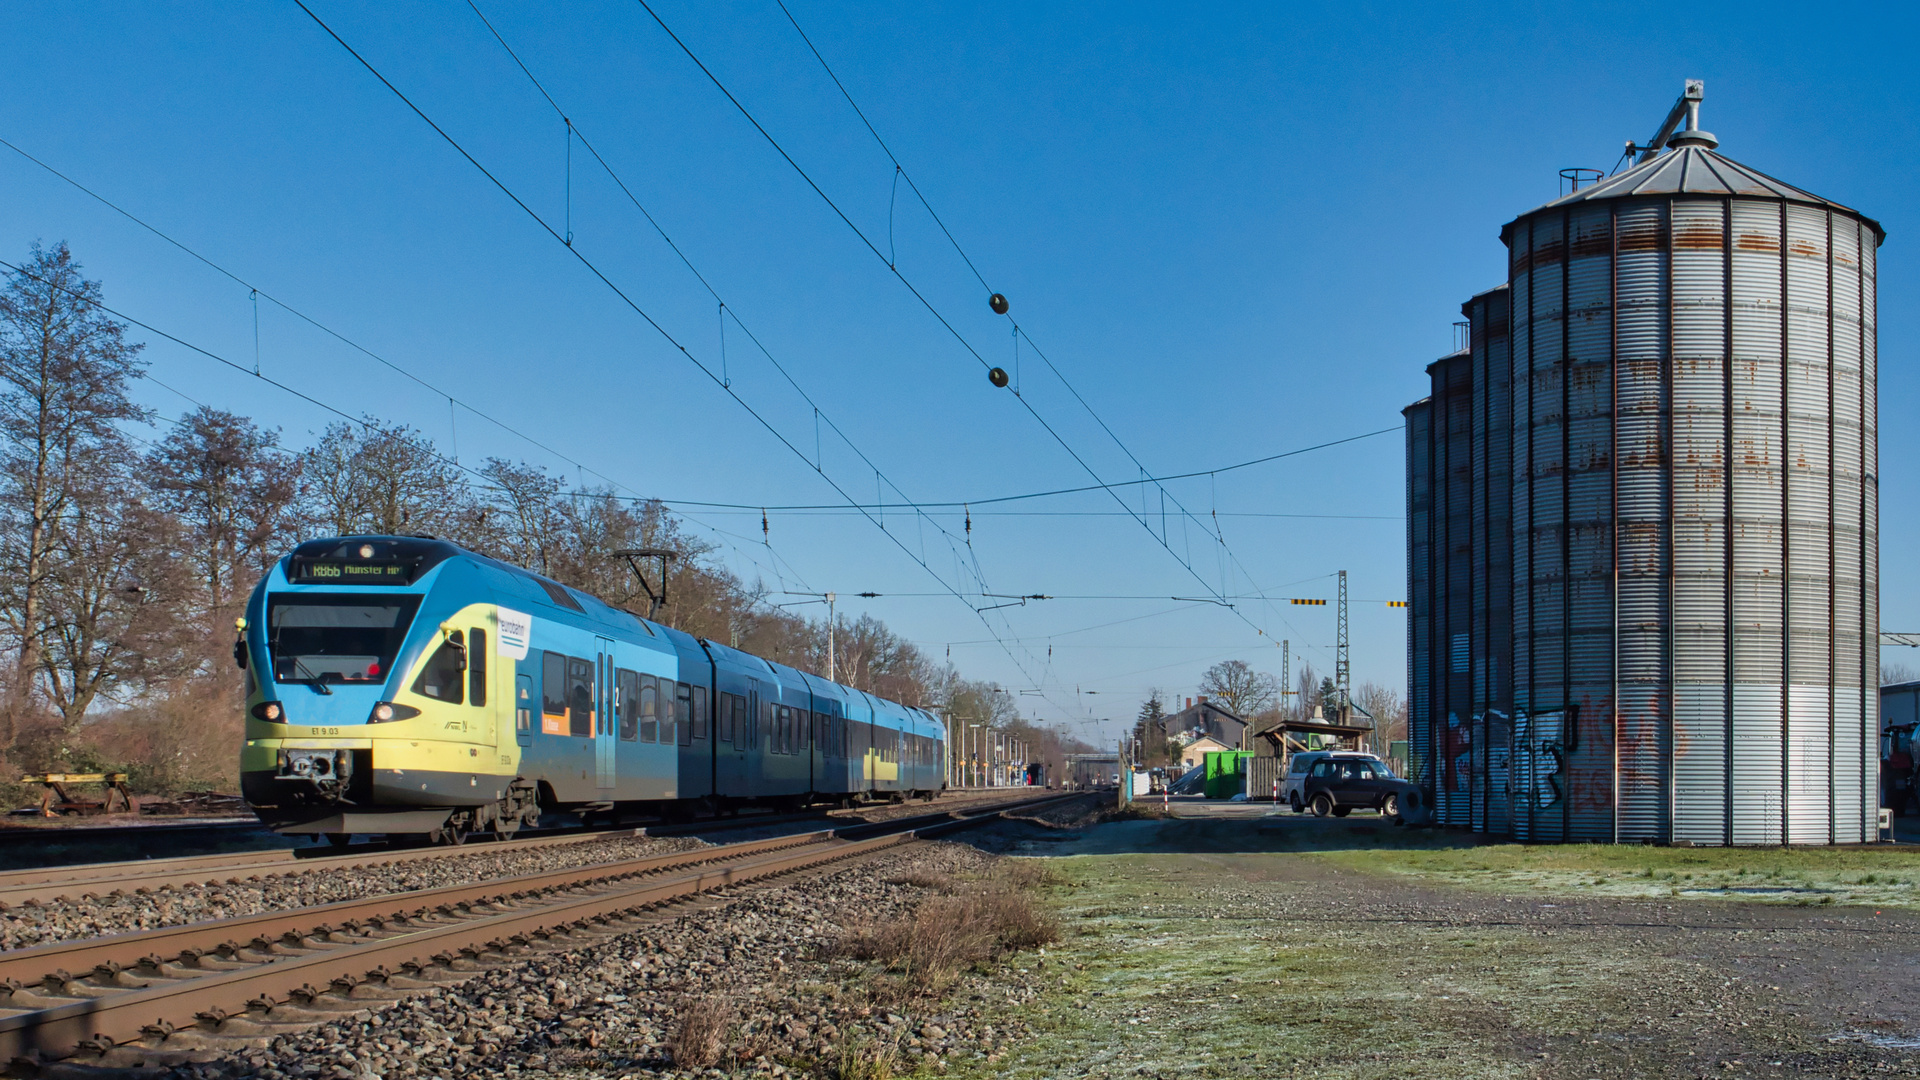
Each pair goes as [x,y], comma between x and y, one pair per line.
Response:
[1672,431]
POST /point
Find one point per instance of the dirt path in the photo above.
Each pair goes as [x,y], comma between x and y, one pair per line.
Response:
[1185,960]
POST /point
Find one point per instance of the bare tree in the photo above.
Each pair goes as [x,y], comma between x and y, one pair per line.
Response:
[518,518]
[1389,712]
[383,480]
[64,369]
[1238,688]
[1897,673]
[1306,693]
[231,488]
[111,622]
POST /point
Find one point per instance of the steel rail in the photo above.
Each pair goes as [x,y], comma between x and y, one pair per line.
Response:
[48,964]
[304,959]
[44,884]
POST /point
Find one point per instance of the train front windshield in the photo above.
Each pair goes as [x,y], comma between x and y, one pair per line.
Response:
[336,638]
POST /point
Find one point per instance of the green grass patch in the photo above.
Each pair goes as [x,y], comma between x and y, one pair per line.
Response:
[1200,965]
[1888,876]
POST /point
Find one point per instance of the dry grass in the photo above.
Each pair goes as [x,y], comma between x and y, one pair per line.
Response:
[967,924]
[701,1038]
[861,1059]
[930,880]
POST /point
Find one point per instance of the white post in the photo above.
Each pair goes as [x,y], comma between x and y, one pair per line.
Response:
[830,677]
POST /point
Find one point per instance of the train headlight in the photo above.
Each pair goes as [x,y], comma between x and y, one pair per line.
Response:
[387,711]
[269,711]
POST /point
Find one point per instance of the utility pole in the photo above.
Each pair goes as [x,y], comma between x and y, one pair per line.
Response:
[1286,677]
[1342,675]
[831,598]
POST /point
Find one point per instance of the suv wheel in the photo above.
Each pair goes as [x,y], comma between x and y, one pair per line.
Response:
[1294,799]
[1390,806]
[1322,805]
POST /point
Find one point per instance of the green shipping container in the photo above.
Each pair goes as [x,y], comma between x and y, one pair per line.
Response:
[1226,773]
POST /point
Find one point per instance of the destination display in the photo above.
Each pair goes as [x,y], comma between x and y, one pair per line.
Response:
[342,572]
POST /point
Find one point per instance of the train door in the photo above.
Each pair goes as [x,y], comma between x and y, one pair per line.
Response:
[523,710]
[604,744]
[752,764]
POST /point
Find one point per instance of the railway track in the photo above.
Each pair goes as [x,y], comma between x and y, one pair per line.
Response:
[129,997]
[55,884]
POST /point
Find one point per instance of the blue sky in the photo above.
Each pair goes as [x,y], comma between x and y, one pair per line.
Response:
[1236,230]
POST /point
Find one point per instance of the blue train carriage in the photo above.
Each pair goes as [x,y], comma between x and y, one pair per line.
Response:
[401,685]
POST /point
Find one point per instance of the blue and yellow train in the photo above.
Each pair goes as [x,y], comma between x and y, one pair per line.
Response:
[408,687]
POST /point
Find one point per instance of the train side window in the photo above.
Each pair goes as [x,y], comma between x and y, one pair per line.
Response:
[723,719]
[477,667]
[649,709]
[700,713]
[626,700]
[666,712]
[553,693]
[445,670]
[580,697]
[683,712]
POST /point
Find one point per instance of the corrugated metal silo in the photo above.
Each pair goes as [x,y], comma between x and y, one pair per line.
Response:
[1694,509]
[1420,592]
[1441,450]
[1492,597]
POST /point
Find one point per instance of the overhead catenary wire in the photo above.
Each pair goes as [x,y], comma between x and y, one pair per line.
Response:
[970,562]
[1224,551]
[633,305]
[254,296]
[261,294]
[1186,563]
[1055,492]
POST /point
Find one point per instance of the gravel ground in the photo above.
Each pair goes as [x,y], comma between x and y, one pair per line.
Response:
[30,925]
[610,1009]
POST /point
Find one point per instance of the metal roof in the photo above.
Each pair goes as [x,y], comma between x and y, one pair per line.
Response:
[1694,170]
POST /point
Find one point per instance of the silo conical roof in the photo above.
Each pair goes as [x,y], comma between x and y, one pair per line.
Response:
[1695,170]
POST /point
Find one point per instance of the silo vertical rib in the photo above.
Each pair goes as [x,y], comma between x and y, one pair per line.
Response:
[1757,533]
[1563,536]
[1613,495]
[1525,481]
[1730,452]
[1701,664]
[1643,520]
[1869,381]
[1590,520]
[1808,739]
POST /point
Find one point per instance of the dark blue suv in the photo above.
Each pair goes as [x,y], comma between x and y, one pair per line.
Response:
[1340,784]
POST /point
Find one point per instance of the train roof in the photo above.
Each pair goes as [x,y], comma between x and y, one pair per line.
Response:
[420,556]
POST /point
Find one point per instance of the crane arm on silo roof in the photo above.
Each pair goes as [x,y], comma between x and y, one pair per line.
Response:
[1685,107]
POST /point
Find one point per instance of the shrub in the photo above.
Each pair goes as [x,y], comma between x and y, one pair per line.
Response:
[946,934]
[860,1059]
